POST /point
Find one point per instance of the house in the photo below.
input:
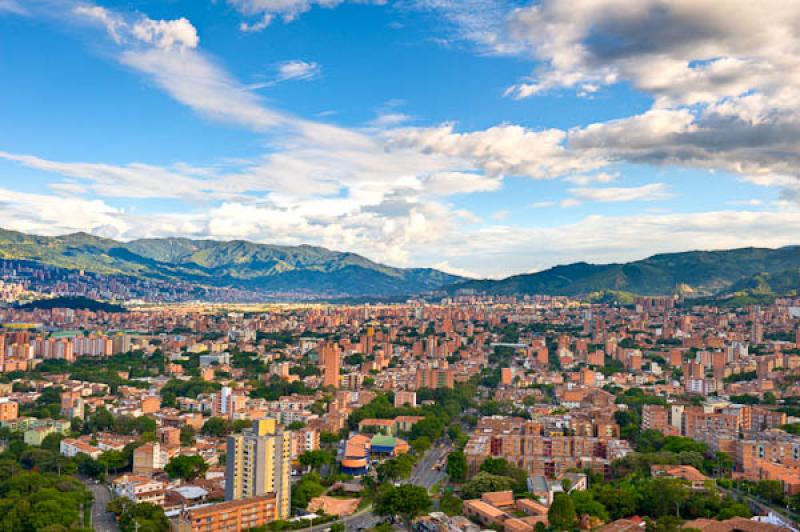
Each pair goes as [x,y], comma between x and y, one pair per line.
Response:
[72,447]
[484,513]
[139,489]
[503,500]
[690,474]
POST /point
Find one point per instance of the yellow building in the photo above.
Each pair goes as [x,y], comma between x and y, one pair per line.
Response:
[258,463]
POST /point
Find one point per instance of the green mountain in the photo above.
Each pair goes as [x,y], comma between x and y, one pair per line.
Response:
[236,264]
[693,272]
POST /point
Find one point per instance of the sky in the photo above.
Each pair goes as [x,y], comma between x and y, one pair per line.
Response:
[484,138]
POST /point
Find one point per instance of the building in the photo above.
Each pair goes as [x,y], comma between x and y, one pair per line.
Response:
[140,489]
[259,463]
[242,514]
[655,417]
[72,404]
[331,362]
[435,378]
[9,410]
[404,397]
[71,447]
[149,458]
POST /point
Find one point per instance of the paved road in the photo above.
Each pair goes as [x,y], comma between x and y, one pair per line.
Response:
[424,473]
[102,520]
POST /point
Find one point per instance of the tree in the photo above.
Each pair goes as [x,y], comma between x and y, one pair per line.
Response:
[457,466]
[216,426]
[483,482]
[562,512]
[144,517]
[395,468]
[421,444]
[315,459]
[337,527]
[408,501]
[771,490]
[618,501]
[112,460]
[664,496]
[187,436]
[450,504]
[305,490]
[186,467]
[585,504]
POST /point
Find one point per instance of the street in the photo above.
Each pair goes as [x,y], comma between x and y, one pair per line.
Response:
[424,473]
[102,520]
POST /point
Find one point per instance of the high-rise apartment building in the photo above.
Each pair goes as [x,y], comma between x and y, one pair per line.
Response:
[258,463]
[331,362]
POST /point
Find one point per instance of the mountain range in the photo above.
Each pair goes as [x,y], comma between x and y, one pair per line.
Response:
[238,264]
[744,274]
[745,271]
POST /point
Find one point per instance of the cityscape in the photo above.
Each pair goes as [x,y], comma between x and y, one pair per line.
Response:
[399,265]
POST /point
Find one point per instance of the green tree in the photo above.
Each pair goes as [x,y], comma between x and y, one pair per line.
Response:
[421,444]
[113,461]
[561,514]
[395,468]
[457,466]
[450,504]
[186,467]
[305,490]
[585,504]
[771,490]
[483,482]
[407,501]
[216,426]
[187,436]
[144,517]
[315,459]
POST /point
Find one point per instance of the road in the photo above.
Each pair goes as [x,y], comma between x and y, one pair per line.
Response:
[424,473]
[102,520]
[758,506]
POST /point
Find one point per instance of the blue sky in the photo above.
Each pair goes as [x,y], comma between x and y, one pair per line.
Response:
[480,137]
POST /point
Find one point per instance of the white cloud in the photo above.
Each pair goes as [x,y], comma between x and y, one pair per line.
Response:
[298,70]
[264,11]
[384,120]
[543,204]
[167,52]
[588,179]
[650,192]
[501,150]
[12,6]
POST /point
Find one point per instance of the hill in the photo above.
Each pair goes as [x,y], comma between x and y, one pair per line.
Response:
[236,264]
[696,272]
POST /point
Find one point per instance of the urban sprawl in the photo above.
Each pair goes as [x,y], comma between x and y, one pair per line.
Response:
[465,414]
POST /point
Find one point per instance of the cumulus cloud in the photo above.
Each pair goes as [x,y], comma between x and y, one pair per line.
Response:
[383,191]
[501,150]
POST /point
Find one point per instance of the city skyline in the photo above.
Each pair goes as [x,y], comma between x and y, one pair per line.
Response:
[481,138]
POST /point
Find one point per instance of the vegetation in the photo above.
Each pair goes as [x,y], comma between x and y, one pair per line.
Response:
[238,264]
[773,271]
[407,501]
[73,302]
